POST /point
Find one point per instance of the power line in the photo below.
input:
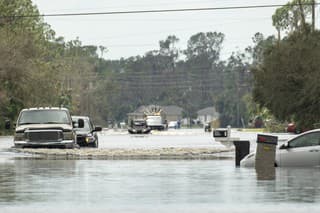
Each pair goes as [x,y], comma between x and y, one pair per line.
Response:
[169,31]
[150,11]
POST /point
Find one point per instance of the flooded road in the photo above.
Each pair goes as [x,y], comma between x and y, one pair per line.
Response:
[141,186]
[38,185]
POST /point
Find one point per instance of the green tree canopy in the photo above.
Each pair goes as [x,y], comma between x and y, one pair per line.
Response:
[292,16]
[206,45]
[286,82]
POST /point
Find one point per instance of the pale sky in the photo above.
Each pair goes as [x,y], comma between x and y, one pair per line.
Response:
[134,34]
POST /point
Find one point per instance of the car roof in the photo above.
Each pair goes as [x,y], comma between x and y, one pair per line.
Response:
[307,132]
[80,117]
[44,108]
[313,130]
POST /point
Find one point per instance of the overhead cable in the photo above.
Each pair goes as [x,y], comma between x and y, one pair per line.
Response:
[151,11]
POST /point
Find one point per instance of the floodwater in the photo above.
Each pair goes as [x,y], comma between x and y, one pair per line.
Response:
[38,185]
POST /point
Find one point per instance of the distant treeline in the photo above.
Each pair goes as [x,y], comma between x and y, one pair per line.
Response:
[39,69]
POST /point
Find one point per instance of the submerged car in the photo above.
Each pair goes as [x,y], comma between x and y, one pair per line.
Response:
[86,135]
[45,127]
[302,150]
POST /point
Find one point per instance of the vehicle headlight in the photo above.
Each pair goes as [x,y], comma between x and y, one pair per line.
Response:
[90,139]
[19,136]
[68,135]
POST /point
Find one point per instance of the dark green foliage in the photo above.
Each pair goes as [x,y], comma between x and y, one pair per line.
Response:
[200,81]
[38,69]
[287,80]
[236,85]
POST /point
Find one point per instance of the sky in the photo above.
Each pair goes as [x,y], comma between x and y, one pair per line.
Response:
[128,35]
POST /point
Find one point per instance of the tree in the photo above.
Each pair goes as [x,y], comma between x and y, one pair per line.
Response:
[206,45]
[202,65]
[23,48]
[38,69]
[168,47]
[169,52]
[292,16]
[286,81]
[230,102]
[261,46]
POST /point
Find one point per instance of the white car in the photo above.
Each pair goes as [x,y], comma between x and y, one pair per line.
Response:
[302,150]
[173,125]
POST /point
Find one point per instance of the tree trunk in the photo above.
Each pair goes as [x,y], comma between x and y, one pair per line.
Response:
[303,19]
[279,36]
[313,14]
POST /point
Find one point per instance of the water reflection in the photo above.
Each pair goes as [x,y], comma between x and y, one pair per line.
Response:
[212,183]
[299,184]
[7,185]
[266,173]
[26,181]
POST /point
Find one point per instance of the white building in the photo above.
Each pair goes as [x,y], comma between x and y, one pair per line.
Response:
[207,115]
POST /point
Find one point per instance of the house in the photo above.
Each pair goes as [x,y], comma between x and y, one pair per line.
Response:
[208,114]
[173,113]
[170,113]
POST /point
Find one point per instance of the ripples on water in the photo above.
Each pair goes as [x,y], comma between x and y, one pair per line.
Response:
[138,186]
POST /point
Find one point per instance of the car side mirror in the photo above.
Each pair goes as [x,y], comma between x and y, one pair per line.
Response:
[74,124]
[7,124]
[80,123]
[284,146]
[97,128]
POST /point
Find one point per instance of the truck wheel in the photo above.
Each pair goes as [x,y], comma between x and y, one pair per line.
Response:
[94,144]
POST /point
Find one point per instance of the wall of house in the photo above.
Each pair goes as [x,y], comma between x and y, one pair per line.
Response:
[173,117]
[205,118]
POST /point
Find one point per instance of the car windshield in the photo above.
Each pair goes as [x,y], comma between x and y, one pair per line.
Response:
[86,126]
[44,117]
[139,123]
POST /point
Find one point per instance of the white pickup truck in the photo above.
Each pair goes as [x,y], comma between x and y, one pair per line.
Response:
[45,127]
[156,122]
